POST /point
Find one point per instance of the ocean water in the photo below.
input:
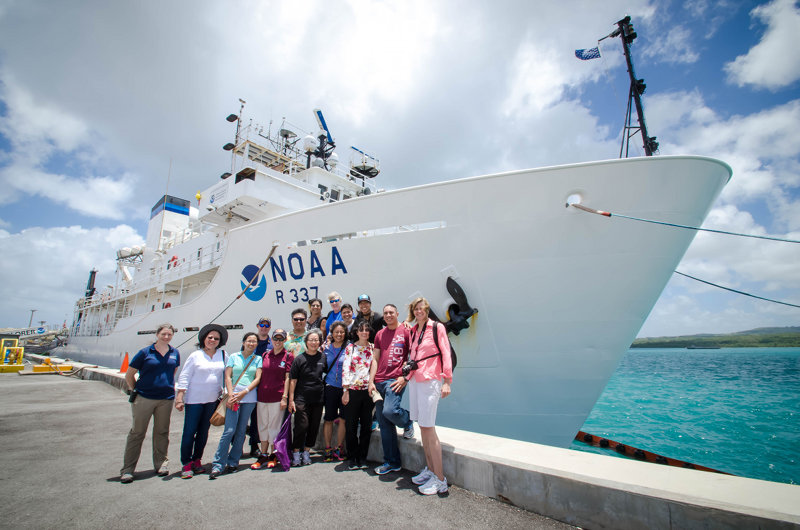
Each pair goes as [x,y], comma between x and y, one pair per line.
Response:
[733,409]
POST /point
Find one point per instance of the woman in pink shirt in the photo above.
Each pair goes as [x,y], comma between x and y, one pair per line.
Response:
[428,381]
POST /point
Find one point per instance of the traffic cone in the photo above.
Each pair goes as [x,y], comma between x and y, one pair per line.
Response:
[124,367]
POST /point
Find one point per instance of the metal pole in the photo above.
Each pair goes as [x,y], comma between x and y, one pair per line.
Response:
[30,322]
[637,85]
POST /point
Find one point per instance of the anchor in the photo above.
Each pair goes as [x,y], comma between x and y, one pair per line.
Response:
[459,312]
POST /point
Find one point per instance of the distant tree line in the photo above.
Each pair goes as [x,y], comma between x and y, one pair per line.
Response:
[752,339]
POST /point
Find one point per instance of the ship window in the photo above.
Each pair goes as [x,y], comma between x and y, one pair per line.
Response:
[334,195]
[234,326]
[191,328]
[247,173]
[347,197]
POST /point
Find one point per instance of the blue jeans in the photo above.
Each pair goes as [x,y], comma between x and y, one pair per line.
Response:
[390,415]
[230,445]
[195,430]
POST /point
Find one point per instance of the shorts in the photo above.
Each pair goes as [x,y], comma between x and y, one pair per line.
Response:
[270,419]
[423,400]
[333,403]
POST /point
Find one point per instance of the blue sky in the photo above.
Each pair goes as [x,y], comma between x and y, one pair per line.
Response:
[98,100]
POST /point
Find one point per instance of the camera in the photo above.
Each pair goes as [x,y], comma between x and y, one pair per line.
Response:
[408,367]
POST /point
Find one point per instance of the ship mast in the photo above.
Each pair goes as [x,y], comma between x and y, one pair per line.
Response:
[627,34]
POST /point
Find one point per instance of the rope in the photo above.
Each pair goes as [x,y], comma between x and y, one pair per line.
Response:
[609,214]
[246,287]
[738,292]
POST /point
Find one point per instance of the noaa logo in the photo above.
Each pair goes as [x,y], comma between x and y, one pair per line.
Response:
[257,288]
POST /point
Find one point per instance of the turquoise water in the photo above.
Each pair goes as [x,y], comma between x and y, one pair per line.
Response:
[733,409]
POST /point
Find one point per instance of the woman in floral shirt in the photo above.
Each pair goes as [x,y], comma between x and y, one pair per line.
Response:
[355,396]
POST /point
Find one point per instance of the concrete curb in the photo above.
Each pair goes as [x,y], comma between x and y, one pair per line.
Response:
[584,489]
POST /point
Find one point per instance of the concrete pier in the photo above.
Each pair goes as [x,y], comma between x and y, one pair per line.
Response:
[589,490]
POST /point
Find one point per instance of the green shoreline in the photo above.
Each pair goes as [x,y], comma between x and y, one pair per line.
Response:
[756,338]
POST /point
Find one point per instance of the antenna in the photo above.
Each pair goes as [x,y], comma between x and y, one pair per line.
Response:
[322,124]
[626,32]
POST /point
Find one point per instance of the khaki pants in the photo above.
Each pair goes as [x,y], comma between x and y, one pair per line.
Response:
[142,409]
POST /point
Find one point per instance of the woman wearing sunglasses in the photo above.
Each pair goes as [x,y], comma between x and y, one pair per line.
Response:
[199,385]
[356,398]
[273,397]
[242,375]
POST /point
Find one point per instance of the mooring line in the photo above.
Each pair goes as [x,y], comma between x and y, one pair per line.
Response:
[737,291]
[610,214]
[246,287]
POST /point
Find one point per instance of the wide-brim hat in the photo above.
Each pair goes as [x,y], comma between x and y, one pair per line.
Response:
[208,328]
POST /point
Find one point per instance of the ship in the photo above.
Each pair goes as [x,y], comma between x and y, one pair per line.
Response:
[541,298]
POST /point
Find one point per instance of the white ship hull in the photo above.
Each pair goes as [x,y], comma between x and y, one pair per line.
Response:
[561,293]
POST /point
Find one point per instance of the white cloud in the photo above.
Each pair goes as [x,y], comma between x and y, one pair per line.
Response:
[762,148]
[38,125]
[675,47]
[772,63]
[49,268]
[38,131]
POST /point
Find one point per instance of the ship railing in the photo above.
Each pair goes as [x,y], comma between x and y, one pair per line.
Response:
[167,273]
[209,259]
[291,164]
[182,237]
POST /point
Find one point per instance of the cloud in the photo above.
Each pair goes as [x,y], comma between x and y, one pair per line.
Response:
[47,269]
[762,148]
[772,63]
[676,47]
[40,132]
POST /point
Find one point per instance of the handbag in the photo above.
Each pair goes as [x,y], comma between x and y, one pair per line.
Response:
[218,418]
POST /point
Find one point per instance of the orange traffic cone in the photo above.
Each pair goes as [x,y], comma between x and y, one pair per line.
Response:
[124,367]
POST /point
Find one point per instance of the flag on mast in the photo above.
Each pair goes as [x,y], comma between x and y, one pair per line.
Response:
[585,55]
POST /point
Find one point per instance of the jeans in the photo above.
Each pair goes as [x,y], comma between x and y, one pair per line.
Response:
[390,415]
[230,445]
[195,430]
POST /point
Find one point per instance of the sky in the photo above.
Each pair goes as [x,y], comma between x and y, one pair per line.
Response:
[104,106]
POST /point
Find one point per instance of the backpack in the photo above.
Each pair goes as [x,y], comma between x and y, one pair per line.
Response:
[453,356]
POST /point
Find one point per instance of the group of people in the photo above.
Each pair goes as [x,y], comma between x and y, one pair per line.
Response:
[339,368]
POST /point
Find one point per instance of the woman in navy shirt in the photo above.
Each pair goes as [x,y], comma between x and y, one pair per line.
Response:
[151,396]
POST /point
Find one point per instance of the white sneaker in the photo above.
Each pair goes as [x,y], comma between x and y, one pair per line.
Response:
[423,477]
[408,432]
[434,486]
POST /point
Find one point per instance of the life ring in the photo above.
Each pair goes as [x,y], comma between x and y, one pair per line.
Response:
[167,305]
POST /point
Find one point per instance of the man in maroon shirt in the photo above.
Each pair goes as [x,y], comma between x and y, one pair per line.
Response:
[392,345]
